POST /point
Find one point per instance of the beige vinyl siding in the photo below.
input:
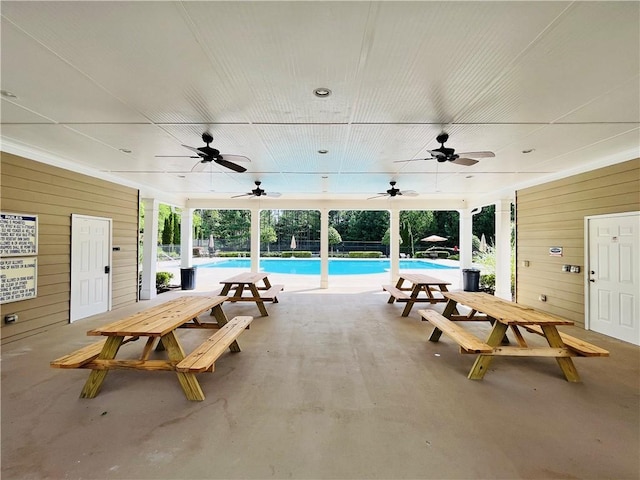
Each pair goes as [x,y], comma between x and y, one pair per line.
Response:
[552,214]
[53,194]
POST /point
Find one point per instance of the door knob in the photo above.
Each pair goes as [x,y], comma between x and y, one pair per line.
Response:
[592,280]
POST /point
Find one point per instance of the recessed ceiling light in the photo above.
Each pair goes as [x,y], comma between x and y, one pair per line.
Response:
[182,176]
[322,92]
[125,150]
[7,94]
[469,176]
[322,151]
[528,150]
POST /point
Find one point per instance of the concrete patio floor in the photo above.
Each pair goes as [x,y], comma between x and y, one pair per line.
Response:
[334,383]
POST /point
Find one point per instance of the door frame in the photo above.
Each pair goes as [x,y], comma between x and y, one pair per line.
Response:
[110,257]
[587,266]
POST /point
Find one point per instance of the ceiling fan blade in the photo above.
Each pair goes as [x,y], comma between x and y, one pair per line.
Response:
[234,158]
[230,165]
[408,193]
[272,194]
[478,154]
[467,162]
[243,195]
[193,149]
[413,160]
[176,156]
[379,195]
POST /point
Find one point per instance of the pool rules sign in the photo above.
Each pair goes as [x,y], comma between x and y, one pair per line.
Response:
[18,261]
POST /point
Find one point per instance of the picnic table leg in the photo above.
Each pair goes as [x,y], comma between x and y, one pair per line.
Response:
[221,317]
[188,381]
[482,363]
[96,377]
[449,309]
[259,302]
[565,363]
[398,286]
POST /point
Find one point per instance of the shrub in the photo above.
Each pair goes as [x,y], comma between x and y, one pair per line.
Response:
[365,254]
[163,279]
[296,254]
[488,283]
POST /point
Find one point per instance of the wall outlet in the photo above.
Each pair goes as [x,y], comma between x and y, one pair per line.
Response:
[575,269]
[542,297]
[566,268]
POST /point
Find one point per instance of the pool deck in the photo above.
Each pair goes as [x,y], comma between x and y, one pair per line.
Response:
[208,279]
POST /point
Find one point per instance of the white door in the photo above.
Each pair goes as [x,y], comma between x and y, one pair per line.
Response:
[90,266]
[613,276]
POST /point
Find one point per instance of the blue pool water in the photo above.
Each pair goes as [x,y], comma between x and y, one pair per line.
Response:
[311,266]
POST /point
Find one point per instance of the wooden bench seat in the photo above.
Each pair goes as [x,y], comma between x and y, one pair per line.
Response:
[467,341]
[203,357]
[396,293]
[270,294]
[79,357]
[580,347]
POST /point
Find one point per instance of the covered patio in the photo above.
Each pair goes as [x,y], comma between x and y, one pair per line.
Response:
[334,383]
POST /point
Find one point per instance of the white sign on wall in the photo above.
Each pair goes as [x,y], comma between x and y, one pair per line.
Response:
[18,235]
[18,279]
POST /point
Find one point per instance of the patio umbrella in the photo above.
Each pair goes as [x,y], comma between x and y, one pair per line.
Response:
[483,244]
[293,242]
[434,238]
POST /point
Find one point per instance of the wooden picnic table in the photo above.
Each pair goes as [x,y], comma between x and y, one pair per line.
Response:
[504,315]
[411,294]
[249,282]
[159,324]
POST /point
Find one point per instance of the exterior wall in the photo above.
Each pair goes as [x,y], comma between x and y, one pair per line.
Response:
[53,194]
[553,214]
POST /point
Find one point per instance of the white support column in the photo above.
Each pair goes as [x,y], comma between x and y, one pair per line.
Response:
[466,245]
[466,233]
[324,248]
[149,248]
[186,238]
[255,240]
[503,249]
[394,244]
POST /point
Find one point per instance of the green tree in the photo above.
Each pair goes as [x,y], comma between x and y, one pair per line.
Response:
[176,220]
[167,230]
[334,237]
[268,235]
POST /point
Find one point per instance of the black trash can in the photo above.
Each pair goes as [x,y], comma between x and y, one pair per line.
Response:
[188,278]
[471,280]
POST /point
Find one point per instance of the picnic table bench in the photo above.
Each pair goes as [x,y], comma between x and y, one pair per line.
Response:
[159,323]
[505,315]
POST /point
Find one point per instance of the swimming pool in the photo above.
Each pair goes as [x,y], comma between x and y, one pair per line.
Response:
[337,266]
